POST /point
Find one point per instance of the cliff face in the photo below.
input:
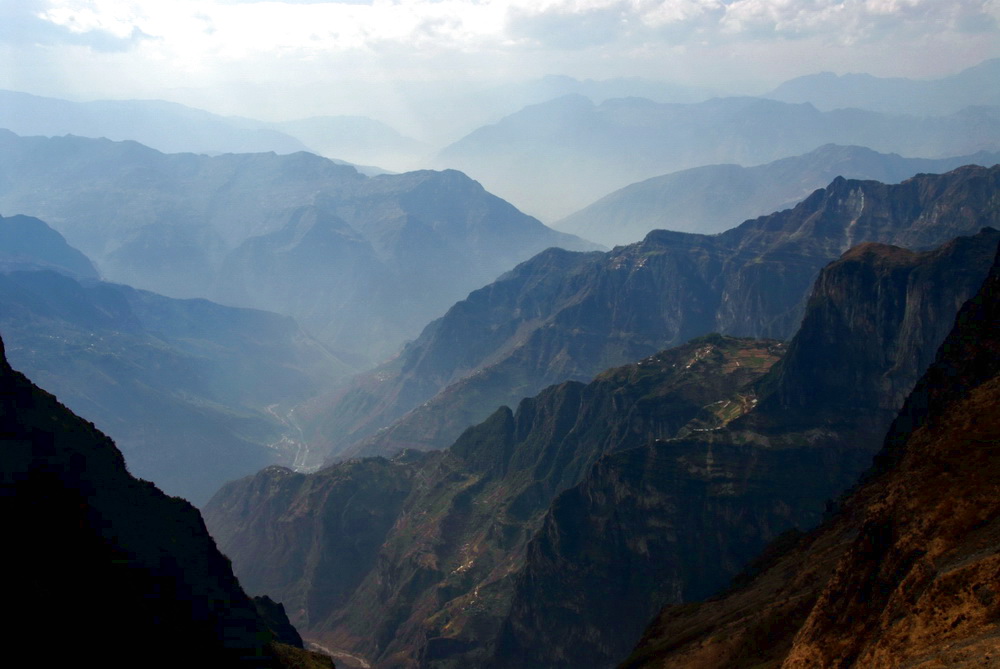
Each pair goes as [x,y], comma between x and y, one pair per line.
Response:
[674,520]
[906,572]
[130,575]
[440,581]
[566,316]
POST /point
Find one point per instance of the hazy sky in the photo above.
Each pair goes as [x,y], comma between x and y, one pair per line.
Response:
[258,58]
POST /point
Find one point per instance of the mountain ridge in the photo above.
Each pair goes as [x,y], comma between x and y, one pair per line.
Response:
[711,198]
[566,316]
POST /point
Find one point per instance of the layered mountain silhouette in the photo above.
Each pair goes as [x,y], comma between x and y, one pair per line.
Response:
[196,393]
[975,86]
[555,158]
[358,140]
[713,198]
[28,244]
[130,573]
[904,573]
[369,260]
[166,126]
[550,534]
[565,315]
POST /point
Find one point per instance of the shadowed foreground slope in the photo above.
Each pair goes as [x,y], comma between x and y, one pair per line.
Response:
[103,566]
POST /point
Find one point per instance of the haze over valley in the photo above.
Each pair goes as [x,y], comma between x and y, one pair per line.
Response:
[434,334]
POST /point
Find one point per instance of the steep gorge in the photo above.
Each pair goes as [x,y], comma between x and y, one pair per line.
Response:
[602,497]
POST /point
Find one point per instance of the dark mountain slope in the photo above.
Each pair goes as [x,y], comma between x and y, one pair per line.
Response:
[555,158]
[567,316]
[295,234]
[905,574]
[128,575]
[674,520]
[714,198]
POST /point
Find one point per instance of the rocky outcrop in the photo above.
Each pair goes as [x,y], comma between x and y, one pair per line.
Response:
[442,574]
[104,564]
[566,316]
[906,572]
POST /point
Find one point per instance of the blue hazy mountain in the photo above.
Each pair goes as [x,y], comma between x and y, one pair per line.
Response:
[975,86]
[363,263]
[555,158]
[714,198]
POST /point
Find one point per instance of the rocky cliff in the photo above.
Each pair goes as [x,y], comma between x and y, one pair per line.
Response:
[906,572]
[676,519]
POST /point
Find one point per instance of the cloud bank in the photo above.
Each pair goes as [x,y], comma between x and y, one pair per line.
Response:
[132,44]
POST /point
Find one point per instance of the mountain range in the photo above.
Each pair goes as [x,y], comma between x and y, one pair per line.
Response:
[381,256]
[559,156]
[550,534]
[711,198]
[974,86]
[567,316]
[166,126]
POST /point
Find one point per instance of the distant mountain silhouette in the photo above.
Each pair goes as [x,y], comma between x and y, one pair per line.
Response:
[975,86]
[555,158]
[27,243]
[358,140]
[714,198]
[165,126]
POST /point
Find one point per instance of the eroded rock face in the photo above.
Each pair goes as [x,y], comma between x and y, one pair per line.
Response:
[564,316]
[441,581]
[906,573]
[675,520]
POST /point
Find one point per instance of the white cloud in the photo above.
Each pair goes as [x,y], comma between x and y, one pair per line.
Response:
[212,42]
